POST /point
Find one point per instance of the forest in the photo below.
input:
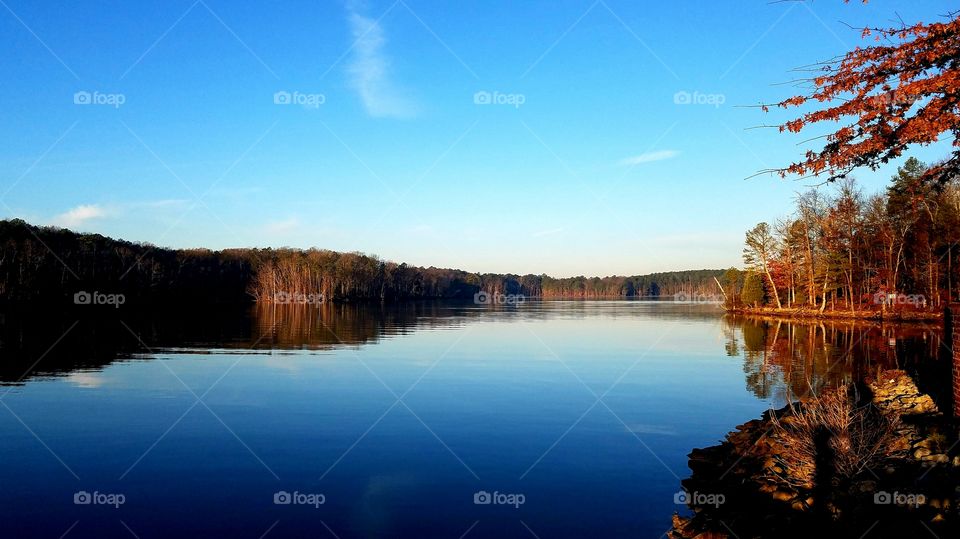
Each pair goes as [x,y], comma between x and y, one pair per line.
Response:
[48,265]
[849,251]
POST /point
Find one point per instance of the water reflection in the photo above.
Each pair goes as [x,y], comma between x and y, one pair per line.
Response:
[39,344]
[785,360]
[514,399]
[330,325]
[782,360]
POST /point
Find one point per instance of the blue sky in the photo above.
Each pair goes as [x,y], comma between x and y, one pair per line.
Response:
[500,136]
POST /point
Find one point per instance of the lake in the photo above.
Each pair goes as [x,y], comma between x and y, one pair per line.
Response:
[427,419]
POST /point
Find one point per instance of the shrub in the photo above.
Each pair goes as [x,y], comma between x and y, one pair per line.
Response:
[856,436]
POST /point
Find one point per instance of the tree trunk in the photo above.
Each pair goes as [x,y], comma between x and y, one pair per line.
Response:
[776,295]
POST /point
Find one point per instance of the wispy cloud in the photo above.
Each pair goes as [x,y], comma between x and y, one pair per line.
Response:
[370,70]
[650,157]
[85,213]
[79,215]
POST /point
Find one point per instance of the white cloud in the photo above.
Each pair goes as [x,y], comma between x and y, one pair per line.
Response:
[370,70]
[79,215]
[650,157]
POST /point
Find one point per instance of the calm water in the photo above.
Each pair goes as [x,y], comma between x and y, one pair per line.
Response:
[395,417]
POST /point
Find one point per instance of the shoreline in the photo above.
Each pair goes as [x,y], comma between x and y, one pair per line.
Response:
[808,314]
[752,485]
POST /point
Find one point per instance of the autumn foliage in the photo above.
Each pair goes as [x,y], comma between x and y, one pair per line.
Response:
[902,90]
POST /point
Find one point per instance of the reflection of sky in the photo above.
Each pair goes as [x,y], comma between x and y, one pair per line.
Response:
[510,394]
[86,379]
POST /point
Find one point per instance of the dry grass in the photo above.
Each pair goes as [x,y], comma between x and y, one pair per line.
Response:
[859,436]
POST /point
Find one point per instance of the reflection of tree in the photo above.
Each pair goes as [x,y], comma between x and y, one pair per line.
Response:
[333,324]
[786,360]
[732,345]
[754,337]
[98,340]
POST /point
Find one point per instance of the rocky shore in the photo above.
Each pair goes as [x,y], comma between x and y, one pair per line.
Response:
[753,484]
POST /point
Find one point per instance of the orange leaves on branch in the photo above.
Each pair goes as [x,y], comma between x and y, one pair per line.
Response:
[886,97]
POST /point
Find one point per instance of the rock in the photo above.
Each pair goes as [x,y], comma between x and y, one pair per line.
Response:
[768,488]
[866,486]
[937,457]
[784,495]
[680,524]
[752,461]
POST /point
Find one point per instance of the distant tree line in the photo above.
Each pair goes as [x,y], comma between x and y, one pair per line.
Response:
[47,264]
[849,251]
[688,283]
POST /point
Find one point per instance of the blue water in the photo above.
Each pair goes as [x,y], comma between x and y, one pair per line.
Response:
[583,410]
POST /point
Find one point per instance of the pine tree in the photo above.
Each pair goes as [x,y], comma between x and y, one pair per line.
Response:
[754,293]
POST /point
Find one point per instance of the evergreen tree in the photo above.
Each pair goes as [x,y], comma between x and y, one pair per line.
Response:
[754,292]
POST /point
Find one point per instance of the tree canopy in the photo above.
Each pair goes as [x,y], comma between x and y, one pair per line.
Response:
[852,251]
[45,264]
[902,90]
